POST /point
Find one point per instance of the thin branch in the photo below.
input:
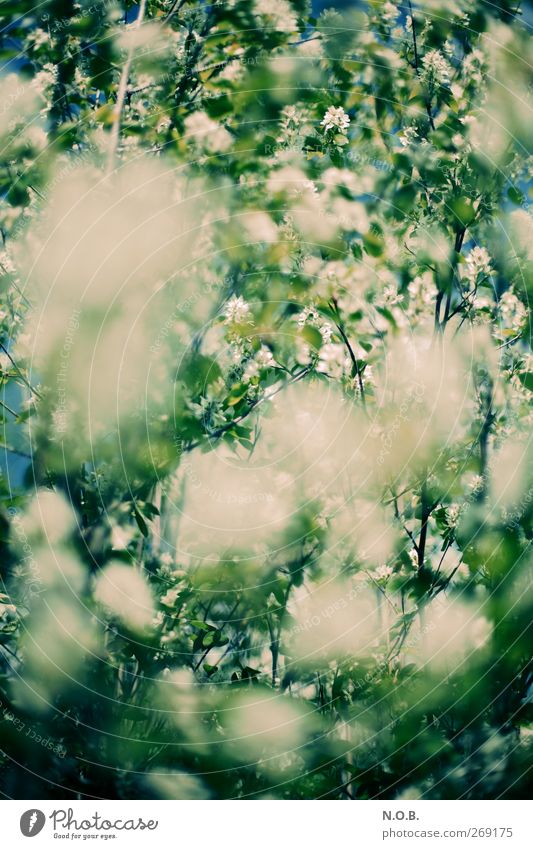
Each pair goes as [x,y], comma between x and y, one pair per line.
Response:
[216,434]
[19,372]
[176,7]
[381,590]
[459,239]
[425,514]
[356,371]
[121,95]
[417,63]
[9,410]
[413,30]
[404,526]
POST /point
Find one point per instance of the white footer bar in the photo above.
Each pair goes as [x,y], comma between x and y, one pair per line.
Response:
[268,824]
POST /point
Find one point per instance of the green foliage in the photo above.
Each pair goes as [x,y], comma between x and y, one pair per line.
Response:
[266,502]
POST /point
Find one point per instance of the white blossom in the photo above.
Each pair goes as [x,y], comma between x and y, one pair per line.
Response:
[38,38]
[413,557]
[474,67]
[422,292]
[437,68]
[408,136]
[478,264]
[307,314]
[477,482]
[251,371]
[6,262]
[264,357]
[36,136]
[166,559]
[390,296]
[326,331]
[382,573]
[389,13]
[278,13]
[237,311]
[332,359]
[513,315]
[453,514]
[336,118]
[206,133]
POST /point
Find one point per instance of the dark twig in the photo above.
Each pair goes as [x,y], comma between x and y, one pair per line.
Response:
[356,371]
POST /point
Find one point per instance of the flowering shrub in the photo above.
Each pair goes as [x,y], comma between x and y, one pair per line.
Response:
[266,398]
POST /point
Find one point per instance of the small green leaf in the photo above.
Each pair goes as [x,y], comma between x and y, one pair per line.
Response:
[143,527]
[526,379]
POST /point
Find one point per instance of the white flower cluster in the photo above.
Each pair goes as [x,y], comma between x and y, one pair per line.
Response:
[437,69]
[453,515]
[382,573]
[513,316]
[389,13]
[279,14]
[38,38]
[206,133]
[408,136]
[167,559]
[291,125]
[474,67]
[310,316]
[36,137]
[422,292]
[336,118]
[333,360]
[478,265]
[233,71]
[44,81]
[390,297]
[263,359]
[237,311]
[6,263]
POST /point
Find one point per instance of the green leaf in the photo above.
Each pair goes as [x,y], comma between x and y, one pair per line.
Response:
[526,379]
[198,371]
[217,106]
[386,313]
[403,200]
[238,392]
[516,196]
[463,210]
[203,626]
[143,527]
[149,510]
[373,243]
[312,335]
